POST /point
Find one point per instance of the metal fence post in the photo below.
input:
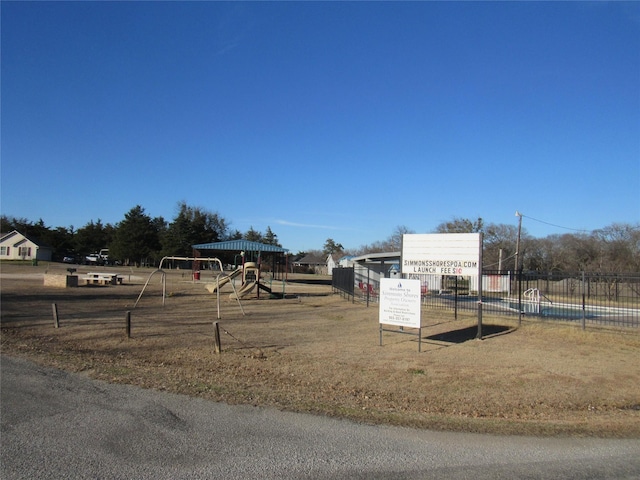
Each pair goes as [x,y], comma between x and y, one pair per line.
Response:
[584,311]
[518,283]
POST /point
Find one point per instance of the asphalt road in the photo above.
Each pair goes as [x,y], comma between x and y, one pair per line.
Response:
[59,425]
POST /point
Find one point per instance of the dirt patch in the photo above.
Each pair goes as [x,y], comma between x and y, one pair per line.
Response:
[317,352]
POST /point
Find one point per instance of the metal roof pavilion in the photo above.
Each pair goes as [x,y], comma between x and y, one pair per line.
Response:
[392,257]
[240,246]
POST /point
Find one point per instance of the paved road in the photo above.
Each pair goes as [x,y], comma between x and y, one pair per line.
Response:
[59,425]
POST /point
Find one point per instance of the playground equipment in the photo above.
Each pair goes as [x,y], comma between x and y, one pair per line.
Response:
[201,259]
[213,287]
[250,272]
[250,278]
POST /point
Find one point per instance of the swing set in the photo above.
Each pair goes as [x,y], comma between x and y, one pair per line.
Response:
[221,278]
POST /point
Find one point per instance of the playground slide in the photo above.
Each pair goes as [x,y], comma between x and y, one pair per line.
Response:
[211,287]
[245,289]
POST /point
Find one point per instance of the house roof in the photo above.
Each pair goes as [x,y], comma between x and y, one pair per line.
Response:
[240,246]
[7,236]
[386,257]
[19,239]
[311,259]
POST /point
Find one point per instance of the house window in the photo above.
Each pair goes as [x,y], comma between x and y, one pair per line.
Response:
[4,250]
[24,251]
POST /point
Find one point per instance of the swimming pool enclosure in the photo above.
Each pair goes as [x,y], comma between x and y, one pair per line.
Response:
[586,297]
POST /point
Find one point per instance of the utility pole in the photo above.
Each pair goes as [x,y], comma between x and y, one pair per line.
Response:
[519,215]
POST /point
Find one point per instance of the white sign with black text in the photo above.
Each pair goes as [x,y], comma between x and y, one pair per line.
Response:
[441,254]
[400,302]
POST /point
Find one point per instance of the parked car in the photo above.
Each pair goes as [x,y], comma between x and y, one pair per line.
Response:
[101,258]
[93,259]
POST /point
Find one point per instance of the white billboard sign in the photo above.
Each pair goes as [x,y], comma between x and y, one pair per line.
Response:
[441,253]
[400,302]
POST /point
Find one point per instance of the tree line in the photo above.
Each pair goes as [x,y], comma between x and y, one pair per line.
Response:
[612,249]
[138,239]
[141,239]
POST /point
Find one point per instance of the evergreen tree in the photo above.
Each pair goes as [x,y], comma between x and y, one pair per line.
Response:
[92,237]
[270,238]
[136,238]
[330,246]
[253,235]
[192,226]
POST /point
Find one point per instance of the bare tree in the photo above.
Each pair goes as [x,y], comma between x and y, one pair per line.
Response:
[500,237]
[461,225]
[395,240]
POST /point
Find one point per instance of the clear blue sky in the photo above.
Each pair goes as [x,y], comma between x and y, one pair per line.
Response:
[323,120]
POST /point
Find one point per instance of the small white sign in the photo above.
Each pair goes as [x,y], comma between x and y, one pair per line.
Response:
[400,302]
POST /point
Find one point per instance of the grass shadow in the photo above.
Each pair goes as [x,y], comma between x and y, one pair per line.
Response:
[470,333]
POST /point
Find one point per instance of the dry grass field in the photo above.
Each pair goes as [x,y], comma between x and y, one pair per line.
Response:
[317,352]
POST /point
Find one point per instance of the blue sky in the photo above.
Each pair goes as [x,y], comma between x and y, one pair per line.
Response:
[323,120]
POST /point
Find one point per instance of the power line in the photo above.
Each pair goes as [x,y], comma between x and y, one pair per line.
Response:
[553,224]
[498,263]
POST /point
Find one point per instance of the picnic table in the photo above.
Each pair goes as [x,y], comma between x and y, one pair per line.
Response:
[103,278]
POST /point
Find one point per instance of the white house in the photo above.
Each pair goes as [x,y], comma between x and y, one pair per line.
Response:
[332,262]
[15,246]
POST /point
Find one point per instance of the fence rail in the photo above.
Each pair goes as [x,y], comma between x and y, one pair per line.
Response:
[584,297]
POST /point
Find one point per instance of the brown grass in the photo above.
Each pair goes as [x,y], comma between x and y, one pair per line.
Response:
[320,353]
